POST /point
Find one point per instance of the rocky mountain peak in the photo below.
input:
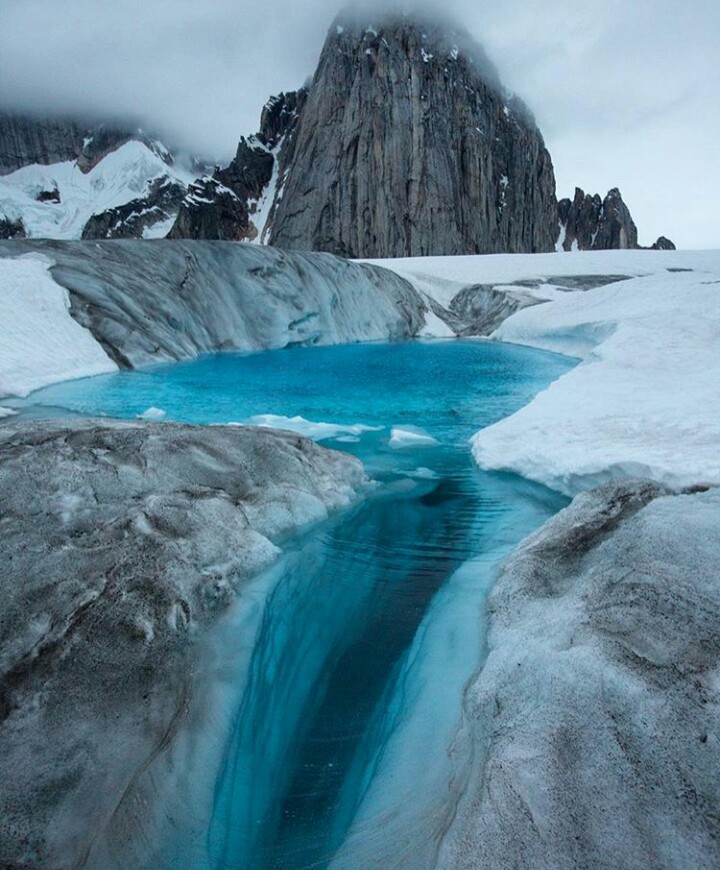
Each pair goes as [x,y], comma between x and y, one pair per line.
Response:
[408,145]
[591,223]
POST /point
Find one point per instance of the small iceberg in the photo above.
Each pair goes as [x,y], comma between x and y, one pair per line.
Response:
[406,437]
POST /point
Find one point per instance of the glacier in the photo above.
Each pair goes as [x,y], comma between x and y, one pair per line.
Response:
[595,717]
[40,343]
[145,302]
[121,544]
[644,400]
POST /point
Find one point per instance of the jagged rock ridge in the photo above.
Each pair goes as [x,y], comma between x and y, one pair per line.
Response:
[67,178]
[236,203]
[589,223]
[405,144]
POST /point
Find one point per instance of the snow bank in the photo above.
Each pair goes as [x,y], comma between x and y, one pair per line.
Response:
[644,401]
[442,278]
[40,343]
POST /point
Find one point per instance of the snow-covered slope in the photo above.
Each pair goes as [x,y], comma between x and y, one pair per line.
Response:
[645,400]
[122,176]
[40,343]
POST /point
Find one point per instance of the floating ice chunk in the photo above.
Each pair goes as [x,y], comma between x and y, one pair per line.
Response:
[406,437]
[318,431]
[6,412]
[422,473]
[152,414]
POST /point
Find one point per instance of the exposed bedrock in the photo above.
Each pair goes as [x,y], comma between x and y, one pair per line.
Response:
[160,201]
[25,139]
[149,301]
[596,716]
[590,223]
[225,205]
[119,541]
[409,145]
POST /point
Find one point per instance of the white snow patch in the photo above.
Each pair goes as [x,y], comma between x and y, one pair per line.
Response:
[645,400]
[260,215]
[160,229]
[442,278]
[435,327]
[559,245]
[121,176]
[401,437]
[40,343]
[426,56]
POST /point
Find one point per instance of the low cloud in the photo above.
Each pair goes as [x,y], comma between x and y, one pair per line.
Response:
[626,95]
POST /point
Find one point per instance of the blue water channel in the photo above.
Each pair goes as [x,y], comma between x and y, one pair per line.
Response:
[341,748]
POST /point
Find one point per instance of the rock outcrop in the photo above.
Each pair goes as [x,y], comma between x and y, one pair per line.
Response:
[405,144]
[129,221]
[596,715]
[211,210]
[589,223]
[119,542]
[237,203]
[12,228]
[663,244]
[408,145]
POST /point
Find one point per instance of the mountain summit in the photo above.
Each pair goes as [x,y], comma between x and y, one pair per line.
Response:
[408,145]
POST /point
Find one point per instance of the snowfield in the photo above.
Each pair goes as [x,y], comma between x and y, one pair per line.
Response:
[40,342]
[645,400]
[120,177]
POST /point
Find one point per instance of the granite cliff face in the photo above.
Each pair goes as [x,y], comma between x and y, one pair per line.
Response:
[25,140]
[408,145]
[405,144]
[589,223]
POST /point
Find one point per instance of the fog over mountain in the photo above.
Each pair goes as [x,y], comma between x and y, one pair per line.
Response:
[625,96]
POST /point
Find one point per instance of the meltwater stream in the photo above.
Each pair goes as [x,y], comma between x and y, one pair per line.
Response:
[343,744]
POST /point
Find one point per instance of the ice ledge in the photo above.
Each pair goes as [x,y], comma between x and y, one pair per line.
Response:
[121,543]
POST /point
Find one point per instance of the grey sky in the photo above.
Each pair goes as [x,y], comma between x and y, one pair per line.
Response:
[627,94]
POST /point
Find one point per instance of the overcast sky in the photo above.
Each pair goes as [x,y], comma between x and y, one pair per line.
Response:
[626,92]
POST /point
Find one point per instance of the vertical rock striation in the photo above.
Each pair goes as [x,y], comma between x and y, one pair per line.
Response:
[408,145]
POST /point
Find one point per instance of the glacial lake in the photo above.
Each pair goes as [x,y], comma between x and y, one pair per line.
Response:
[344,666]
